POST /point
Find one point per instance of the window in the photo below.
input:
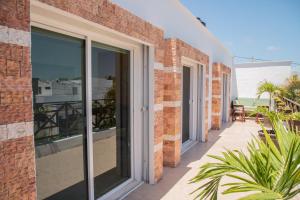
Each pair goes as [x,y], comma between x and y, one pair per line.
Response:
[111,118]
[39,90]
[59,125]
[64,134]
[75,90]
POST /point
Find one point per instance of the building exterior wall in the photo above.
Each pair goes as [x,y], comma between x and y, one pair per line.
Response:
[247,76]
[17,156]
[17,164]
[175,50]
[114,17]
[186,28]
[218,71]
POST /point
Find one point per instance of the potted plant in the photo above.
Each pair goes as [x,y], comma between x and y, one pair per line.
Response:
[266,171]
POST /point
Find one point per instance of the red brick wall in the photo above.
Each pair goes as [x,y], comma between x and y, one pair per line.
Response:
[112,16]
[217,90]
[17,169]
[17,164]
[175,50]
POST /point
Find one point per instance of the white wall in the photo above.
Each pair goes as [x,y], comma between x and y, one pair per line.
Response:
[247,76]
[178,22]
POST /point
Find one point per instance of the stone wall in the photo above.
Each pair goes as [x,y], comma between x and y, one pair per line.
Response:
[175,50]
[217,91]
[114,17]
[17,156]
[17,164]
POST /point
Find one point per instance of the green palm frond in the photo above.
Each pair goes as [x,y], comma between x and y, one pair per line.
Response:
[266,171]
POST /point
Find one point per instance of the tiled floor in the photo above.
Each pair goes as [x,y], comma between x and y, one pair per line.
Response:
[175,186]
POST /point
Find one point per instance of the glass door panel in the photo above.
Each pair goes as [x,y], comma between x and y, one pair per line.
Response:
[111,117]
[186,93]
[59,115]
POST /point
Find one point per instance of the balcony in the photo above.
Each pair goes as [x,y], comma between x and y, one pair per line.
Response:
[175,182]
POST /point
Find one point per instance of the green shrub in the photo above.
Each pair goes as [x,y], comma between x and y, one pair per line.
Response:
[267,171]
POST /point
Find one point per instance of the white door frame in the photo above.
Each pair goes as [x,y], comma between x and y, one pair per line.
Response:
[196,103]
[53,19]
[225,98]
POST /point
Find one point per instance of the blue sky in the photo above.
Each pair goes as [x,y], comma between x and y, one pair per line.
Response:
[266,29]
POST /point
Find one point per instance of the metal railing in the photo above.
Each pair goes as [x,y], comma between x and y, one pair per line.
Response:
[57,120]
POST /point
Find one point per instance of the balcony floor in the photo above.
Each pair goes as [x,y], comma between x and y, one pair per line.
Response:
[174,184]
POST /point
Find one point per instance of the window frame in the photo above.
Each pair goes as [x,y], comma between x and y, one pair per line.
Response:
[198,87]
[51,22]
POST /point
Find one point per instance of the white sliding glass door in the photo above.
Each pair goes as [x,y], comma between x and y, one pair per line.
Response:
[89,99]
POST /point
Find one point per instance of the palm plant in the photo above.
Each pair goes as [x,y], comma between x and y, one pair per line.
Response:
[266,171]
[267,87]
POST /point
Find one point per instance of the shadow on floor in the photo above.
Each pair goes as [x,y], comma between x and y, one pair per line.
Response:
[171,176]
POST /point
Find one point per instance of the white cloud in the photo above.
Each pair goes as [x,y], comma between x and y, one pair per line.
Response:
[272,48]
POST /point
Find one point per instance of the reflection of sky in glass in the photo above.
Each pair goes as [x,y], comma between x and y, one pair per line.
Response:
[54,58]
[101,57]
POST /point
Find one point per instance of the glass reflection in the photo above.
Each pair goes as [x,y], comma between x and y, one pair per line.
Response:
[59,126]
[110,108]
[186,73]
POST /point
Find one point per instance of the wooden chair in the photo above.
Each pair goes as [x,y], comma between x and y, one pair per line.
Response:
[238,111]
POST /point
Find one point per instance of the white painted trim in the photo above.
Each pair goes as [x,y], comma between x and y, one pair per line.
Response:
[194,66]
[203,99]
[151,117]
[133,188]
[216,96]
[225,109]
[158,107]
[39,9]
[263,64]
[158,147]
[188,145]
[15,36]
[216,78]
[90,141]
[172,137]
[16,130]
[172,103]
[173,69]
[159,66]
[190,61]
[123,190]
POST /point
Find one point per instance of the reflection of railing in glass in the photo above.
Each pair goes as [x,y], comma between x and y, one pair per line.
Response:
[104,116]
[57,120]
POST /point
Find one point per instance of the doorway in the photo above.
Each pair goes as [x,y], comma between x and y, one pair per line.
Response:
[225,98]
[191,114]
[88,93]
[186,103]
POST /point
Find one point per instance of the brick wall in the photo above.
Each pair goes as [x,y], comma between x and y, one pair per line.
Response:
[114,17]
[217,91]
[175,50]
[17,164]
